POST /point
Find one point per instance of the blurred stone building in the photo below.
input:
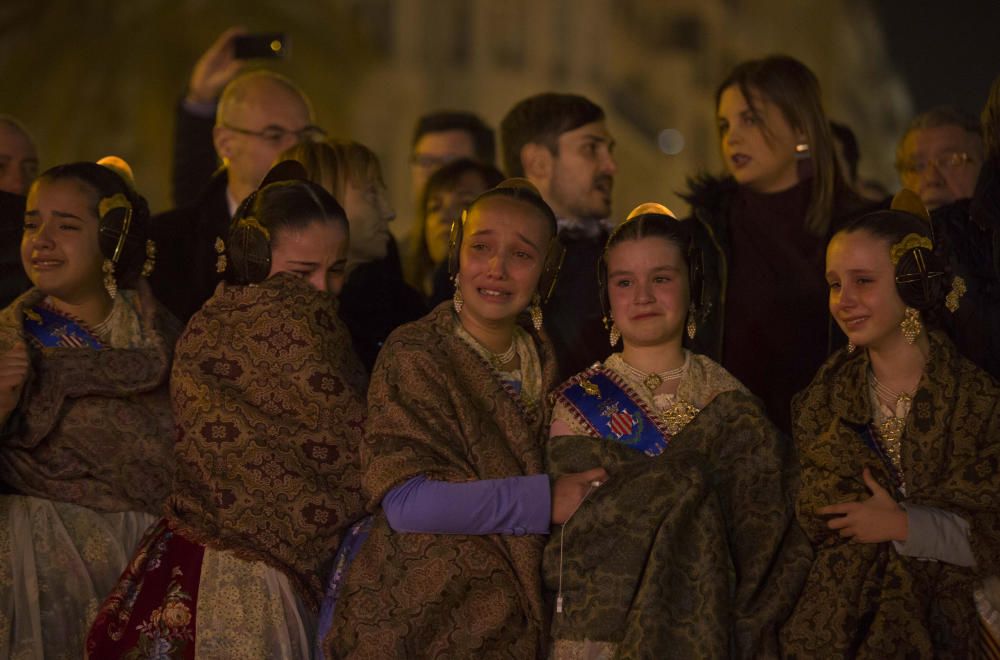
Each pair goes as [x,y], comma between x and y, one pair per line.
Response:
[104,77]
[652,65]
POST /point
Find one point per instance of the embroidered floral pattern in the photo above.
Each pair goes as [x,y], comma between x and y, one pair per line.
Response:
[169,628]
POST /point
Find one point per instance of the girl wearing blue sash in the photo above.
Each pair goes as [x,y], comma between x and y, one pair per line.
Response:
[689,550]
[86,454]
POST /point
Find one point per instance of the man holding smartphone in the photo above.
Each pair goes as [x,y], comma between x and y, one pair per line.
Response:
[259,114]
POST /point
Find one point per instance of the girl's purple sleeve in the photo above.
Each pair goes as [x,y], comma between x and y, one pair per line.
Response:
[515,505]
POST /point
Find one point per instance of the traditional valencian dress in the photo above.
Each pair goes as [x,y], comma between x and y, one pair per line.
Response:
[269,403]
[85,462]
[689,549]
[440,410]
[941,460]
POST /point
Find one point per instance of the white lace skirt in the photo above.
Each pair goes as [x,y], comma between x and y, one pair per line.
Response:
[57,563]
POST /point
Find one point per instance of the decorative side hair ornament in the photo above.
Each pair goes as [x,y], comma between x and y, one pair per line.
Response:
[909,242]
[919,272]
[124,229]
[247,252]
[110,222]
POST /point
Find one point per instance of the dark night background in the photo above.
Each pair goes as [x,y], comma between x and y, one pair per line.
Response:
[948,51]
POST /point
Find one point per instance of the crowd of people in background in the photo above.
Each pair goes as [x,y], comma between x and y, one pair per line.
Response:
[257,425]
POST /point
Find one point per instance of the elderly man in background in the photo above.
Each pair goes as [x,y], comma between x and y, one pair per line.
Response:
[940,155]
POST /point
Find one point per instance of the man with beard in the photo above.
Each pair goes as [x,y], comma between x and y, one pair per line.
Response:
[561,144]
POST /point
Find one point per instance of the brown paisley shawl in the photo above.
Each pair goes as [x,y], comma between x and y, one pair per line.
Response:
[436,408]
[693,553]
[867,600]
[94,426]
[269,401]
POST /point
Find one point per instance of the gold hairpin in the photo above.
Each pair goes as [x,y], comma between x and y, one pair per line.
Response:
[909,242]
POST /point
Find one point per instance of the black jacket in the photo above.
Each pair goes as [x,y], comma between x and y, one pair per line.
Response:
[375,301]
[185,275]
[194,160]
[573,315]
[968,247]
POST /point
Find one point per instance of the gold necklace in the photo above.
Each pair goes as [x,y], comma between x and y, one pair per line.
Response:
[886,394]
[891,429]
[651,381]
[500,359]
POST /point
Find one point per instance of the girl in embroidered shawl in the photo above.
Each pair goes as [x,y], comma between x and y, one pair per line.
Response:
[87,451]
[898,438]
[689,550]
[452,457]
[268,400]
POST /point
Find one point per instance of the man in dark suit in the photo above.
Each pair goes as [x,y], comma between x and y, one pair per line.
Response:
[259,115]
[561,144]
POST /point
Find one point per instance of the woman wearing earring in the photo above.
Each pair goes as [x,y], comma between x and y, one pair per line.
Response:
[766,226]
[269,404]
[87,452]
[452,457]
[689,550]
[898,440]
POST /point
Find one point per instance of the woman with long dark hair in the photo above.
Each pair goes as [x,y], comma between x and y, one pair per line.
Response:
[766,224]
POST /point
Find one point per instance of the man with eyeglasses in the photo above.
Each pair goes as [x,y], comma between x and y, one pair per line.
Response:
[259,115]
[940,155]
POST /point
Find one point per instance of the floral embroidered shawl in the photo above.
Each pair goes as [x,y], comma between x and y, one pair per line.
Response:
[269,402]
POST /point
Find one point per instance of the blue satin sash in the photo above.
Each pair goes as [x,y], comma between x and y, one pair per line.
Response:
[53,330]
[613,411]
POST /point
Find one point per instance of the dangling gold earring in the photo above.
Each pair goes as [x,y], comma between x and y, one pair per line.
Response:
[536,312]
[220,260]
[850,346]
[110,285]
[615,335]
[692,325]
[150,263]
[457,301]
[911,325]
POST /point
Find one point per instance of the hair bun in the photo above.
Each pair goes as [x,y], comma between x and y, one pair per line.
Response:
[286,170]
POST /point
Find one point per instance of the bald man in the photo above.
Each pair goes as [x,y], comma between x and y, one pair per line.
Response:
[18,157]
[259,114]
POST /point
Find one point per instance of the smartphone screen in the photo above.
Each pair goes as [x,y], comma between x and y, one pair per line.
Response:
[265,45]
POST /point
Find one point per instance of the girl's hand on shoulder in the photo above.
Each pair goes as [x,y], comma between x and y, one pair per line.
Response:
[875,520]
